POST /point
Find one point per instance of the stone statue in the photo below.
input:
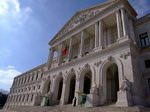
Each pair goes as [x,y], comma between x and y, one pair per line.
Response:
[126,85]
[74,101]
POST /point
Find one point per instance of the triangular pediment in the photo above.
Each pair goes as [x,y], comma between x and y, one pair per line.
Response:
[82,16]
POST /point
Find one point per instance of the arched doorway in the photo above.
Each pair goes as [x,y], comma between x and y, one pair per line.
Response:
[47,86]
[60,89]
[72,89]
[87,82]
[112,83]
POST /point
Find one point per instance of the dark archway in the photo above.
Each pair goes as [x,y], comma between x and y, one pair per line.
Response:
[48,86]
[87,82]
[72,89]
[112,83]
[60,89]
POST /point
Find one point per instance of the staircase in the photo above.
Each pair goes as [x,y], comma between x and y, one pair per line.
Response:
[69,108]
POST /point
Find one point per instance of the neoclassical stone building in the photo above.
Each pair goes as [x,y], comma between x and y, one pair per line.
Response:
[102,52]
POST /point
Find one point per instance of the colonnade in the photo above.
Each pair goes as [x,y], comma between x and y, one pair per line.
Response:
[121,16]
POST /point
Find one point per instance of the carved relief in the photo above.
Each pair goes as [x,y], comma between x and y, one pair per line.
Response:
[109,58]
[97,63]
[79,19]
[86,65]
[79,68]
[125,85]
[72,70]
[125,55]
[54,76]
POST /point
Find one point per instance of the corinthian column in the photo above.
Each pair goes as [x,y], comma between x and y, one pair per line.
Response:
[119,28]
[81,44]
[101,31]
[124,22]
[50,58]
[60,53]
[96,35]
[70,49]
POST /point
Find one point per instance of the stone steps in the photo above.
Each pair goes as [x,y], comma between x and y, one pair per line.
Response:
[69,108]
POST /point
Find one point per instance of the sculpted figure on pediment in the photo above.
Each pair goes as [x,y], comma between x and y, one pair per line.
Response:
[81,18]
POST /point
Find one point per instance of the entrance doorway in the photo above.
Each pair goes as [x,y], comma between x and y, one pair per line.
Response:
[87,82]
[112,83]
[72,89]
[48,86]
[60,89]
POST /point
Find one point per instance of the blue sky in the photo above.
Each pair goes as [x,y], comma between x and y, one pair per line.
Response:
[26,27]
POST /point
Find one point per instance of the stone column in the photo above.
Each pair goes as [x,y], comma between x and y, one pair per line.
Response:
[131,30]
[109,37]
[77,90]
[70,49]
[124,22]
[81,45]
[91,44]
[101,31]
[60,53]
[119,28]
[96,35]
[50,58]
[63,93]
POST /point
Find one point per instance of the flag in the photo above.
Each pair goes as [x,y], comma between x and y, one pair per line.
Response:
[64,51]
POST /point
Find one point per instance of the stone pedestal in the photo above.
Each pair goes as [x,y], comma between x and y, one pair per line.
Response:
[91,100]
[124,99]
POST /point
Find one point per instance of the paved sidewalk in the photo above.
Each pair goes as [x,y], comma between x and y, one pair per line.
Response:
[7,111]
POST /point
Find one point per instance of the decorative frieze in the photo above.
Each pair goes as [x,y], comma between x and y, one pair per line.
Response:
[80,18]
[97,63]
[125,55]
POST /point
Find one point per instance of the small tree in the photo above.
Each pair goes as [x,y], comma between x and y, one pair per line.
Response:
[3,97]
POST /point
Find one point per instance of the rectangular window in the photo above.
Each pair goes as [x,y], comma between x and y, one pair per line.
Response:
[147,63]
[149,83]
[144,40]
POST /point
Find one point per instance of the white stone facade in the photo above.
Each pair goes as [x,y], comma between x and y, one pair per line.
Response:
[98,53]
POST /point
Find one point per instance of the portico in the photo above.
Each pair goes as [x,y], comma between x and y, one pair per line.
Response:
[101,34]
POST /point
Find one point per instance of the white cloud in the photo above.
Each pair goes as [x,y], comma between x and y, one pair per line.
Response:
[141,6]
[6,77]
[11,13]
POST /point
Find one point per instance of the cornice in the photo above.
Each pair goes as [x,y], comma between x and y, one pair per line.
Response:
[111,9]
[32,70]
[114,47]
[86,20]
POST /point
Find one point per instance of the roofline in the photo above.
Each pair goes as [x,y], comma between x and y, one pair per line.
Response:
[110,1]
[76,14]
[33,69]
[143,19]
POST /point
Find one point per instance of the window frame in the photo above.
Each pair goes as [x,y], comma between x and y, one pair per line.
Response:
[144,38]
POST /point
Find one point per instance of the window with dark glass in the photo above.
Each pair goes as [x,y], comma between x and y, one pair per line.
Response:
[147,63]
[144,40]
[149,83]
